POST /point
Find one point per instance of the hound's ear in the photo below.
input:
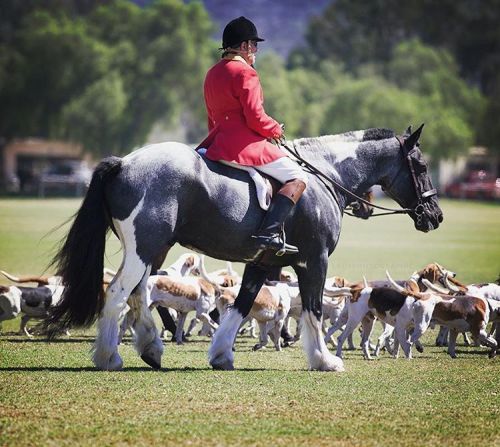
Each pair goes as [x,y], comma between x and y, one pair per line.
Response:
[412,140]
[430,273]
[412,286]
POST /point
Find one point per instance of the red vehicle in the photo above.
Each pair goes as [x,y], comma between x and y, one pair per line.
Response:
[476,185]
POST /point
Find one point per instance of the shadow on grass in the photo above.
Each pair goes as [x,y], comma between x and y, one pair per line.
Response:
[80,339]
[187,369]
[483,352]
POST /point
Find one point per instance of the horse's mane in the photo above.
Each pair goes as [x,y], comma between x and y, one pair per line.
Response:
[353,136]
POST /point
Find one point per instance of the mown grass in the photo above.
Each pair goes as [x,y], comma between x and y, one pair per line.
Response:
[51,395]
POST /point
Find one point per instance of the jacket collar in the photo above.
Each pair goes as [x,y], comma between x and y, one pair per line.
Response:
[235,57]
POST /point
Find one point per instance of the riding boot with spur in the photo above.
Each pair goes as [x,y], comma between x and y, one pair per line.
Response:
[271,234]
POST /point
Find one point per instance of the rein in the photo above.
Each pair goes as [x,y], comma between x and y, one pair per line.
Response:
[418,209]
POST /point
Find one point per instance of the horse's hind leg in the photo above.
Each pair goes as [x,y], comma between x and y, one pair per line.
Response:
[105,353]
[147,341]
[312,274]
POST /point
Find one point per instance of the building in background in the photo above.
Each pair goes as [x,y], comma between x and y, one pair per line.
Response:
[44,167]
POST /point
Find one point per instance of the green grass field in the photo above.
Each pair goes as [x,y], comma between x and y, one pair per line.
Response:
[50,393]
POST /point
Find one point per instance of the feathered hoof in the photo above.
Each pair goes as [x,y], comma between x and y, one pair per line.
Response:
[150,360]
[329,363]
[222,363]
[113,363]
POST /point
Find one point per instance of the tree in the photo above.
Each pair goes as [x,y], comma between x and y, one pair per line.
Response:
[102,73]
[355,33]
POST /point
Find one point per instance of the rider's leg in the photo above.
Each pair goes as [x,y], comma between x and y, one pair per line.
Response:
[294,182]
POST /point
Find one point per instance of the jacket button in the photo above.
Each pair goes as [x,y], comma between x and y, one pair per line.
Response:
[227,117]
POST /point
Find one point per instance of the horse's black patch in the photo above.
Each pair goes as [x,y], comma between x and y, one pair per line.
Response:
[34,296]
[378,133]
[386,300]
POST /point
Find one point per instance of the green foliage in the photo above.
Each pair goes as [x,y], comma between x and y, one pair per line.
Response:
[103,73]
[357,33]
[95,117]
[104,78]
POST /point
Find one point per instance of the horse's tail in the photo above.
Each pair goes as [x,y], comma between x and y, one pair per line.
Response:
[80,259]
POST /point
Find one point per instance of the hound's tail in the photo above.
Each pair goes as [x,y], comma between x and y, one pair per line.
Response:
[80,259]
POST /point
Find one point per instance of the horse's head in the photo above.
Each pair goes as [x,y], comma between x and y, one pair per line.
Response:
[409,184]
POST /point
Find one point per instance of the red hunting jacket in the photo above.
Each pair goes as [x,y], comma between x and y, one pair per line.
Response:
[237,123]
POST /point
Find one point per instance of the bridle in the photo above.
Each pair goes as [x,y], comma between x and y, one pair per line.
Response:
[421,196]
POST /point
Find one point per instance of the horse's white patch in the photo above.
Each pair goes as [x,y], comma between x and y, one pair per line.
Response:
[318,212]
[223,340]
[129,274]
[150,152]
[302,264]
[126,232]
[343,150]
[351,136]
[317,353]
[57,292]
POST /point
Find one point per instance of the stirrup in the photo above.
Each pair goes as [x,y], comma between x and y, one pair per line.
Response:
[277,243]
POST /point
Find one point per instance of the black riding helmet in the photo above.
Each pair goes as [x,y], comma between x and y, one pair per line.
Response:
[239,30]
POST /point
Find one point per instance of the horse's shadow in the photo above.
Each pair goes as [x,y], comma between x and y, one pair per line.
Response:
[80,339]
[187,369]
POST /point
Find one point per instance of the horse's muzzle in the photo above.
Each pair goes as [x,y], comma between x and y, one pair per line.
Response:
[427,217]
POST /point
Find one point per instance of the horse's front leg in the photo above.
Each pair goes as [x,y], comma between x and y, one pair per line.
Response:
[312,275]
[220,354]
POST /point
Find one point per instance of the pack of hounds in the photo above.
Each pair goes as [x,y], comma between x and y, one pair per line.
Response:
[406,308]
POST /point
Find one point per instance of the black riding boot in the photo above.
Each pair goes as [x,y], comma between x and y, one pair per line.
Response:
[271,232]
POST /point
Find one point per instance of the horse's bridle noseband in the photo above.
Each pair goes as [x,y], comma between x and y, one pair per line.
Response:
[421,196]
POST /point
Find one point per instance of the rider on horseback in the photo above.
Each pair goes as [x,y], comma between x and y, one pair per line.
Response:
[240,130]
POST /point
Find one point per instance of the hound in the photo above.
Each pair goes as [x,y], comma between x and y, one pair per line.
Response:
[490,292]
[269,309]
[186,264]
[220,278]
[462,313]
[402,309]
[30,302]
[183,295]
[40,280]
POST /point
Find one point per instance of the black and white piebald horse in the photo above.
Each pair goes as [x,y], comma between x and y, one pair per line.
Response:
[167,193]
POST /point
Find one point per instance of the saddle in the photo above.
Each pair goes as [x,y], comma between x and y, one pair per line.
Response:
[266,186]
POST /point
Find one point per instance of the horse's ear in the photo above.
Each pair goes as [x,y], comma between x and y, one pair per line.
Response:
[412,140]
[407,131]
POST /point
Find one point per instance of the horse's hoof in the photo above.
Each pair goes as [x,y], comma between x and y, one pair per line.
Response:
[492,354]
[112,363]
[221,364]
[151,361]
[328,362]
[257,347]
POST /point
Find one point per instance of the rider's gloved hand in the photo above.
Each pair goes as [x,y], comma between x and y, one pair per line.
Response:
[280,139]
